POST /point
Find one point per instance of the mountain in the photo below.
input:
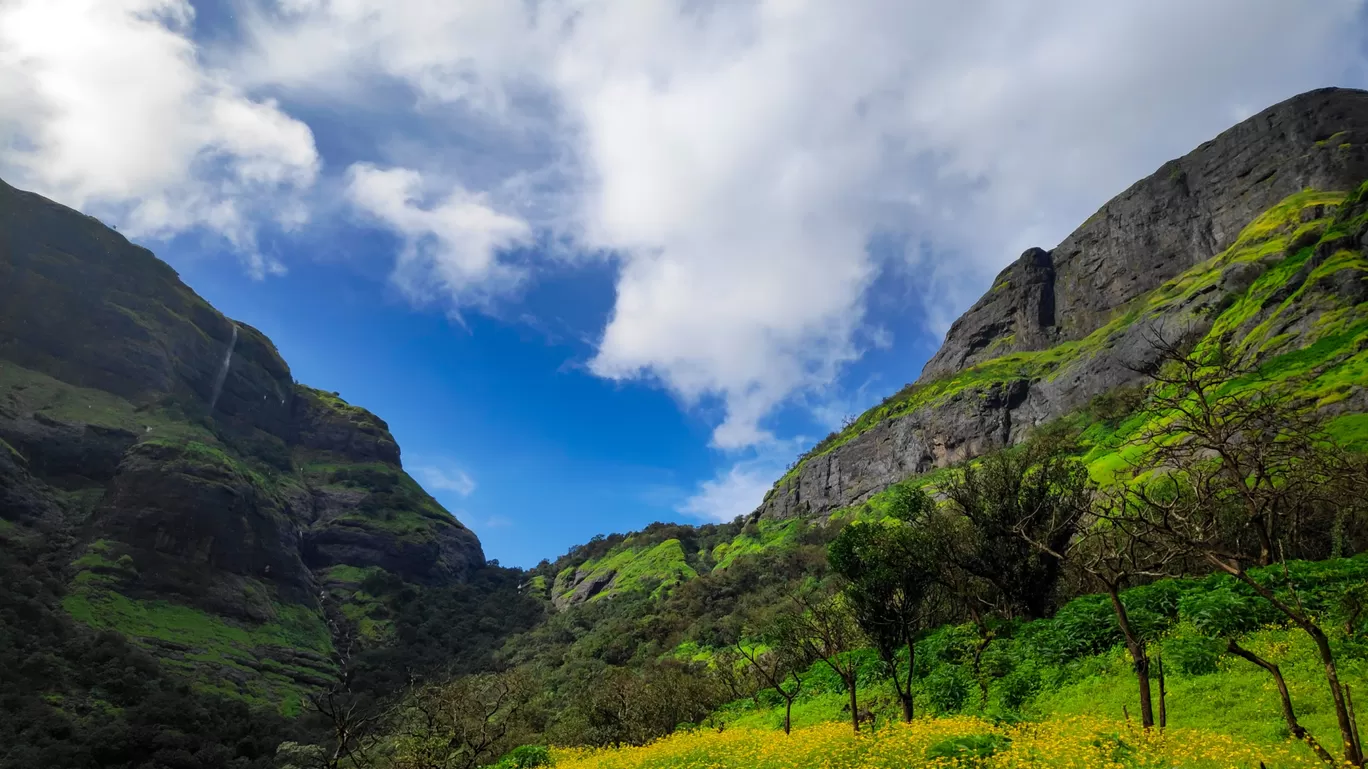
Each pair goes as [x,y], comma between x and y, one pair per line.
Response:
[1182,251]
[1257,237]
[222,515]
[175,507]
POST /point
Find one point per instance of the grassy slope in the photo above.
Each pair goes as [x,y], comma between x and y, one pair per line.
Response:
[1331,358]
[1326,362]
[1074,668]
[960,741]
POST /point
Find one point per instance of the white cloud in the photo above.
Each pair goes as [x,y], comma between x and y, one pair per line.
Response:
[451,479]
[739,488]
[105,105]
[451,246]
[737,491]
[739,157]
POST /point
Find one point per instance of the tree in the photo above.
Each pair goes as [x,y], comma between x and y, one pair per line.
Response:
[736,671]
[1225,614]
[889,578]
[1111,552]
[1037,490]
[1235,471]
[355,720]
[821,626]
[462,723]
[781,667]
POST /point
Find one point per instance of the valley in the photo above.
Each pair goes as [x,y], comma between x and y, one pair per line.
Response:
[208,564]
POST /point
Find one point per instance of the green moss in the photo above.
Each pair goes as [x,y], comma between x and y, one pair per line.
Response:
[34,392]
[1267,237]
[1331,139]
[764,535]
[211,641]
[634,569]
[349,575]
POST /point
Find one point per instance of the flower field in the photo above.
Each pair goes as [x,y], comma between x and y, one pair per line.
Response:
[959,741]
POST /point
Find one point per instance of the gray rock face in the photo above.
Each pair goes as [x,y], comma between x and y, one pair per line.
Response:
[319,422]
[200,526]
[1188,211]
[581,586]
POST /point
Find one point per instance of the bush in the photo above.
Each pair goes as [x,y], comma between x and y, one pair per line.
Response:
[1017,689]
[971,751]
[525,757]
[947,688]
[1192,655]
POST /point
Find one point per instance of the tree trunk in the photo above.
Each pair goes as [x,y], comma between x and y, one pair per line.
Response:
[982,646]
[1289,715]
[788,714]
[1138,656]
[906,697]
[1163,697]
[854,708]
[1352,754]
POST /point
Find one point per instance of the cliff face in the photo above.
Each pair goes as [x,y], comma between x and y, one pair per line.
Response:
[1062,326]
[204,489]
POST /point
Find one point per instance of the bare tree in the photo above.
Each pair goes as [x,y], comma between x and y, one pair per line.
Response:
[782,669]
[821,625]
[737,672]
[462,723]
[1112,552]
[355,720]
[1236,472]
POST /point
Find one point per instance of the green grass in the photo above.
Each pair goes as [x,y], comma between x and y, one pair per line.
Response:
[39,393]
[208,643]
[766,535]
[1217,693]
[658,567]
[1267,237]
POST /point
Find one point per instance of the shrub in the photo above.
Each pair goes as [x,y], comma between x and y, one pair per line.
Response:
[969,751]
[525,757]
[947,688]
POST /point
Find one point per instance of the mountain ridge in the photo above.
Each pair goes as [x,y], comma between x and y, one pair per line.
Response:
[1188,211]
[221,512]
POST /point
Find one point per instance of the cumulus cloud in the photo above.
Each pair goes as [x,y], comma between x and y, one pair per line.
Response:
[105,105]
[451,246]
[739,158]
[445,478]
[736,491]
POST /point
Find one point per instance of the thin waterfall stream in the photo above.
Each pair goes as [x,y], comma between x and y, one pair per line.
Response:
[223,370]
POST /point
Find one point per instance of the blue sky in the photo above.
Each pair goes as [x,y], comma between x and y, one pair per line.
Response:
[605,262]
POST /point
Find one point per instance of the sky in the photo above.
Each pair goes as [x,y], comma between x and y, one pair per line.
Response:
[600,263]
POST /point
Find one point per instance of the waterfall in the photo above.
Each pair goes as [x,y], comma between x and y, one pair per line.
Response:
[223,370]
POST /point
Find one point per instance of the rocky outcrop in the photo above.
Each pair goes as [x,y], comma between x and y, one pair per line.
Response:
[325,422]
[200,526]
[1123,258]
[1187,211]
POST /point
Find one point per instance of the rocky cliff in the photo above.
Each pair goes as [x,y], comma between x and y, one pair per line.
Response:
[1243,237]
[222,514]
